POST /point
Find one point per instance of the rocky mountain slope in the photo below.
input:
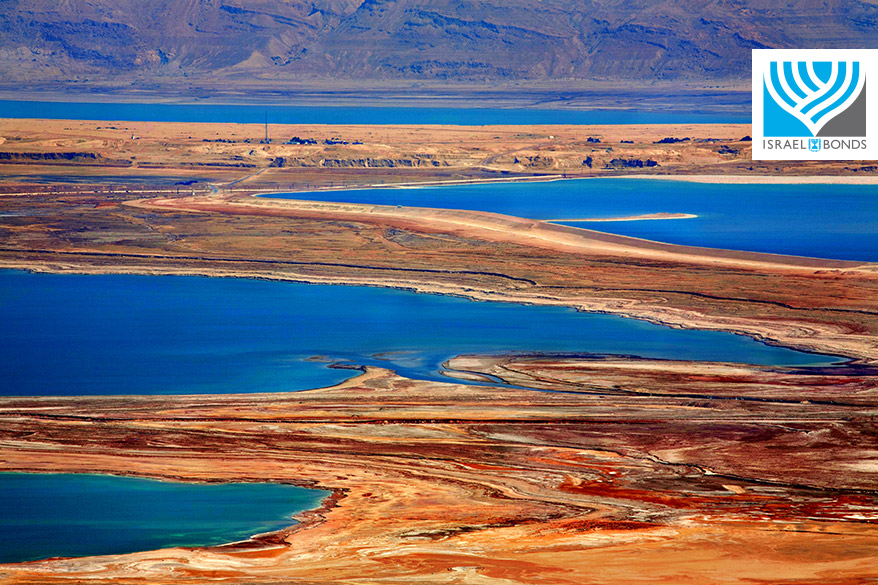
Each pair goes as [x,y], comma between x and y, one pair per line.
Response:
[131,42]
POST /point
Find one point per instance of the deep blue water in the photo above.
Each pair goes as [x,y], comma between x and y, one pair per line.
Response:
[250,114]
[124,334]
[822,221]
[53,515]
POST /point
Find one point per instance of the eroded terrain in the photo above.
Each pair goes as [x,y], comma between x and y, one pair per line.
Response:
[48,155]
[612,469]
[637,471]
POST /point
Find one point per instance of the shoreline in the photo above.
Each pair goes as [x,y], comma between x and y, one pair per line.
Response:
[416,185]
[285,523]
[538,230]
[616,469]
[687,178]
[429,479]
[846,354]
[705,179]
[842,360]
[762,179]
[813,334]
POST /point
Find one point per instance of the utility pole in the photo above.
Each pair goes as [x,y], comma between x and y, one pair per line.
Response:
[266,127]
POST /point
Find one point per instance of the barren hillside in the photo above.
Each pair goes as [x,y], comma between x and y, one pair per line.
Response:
[149,43]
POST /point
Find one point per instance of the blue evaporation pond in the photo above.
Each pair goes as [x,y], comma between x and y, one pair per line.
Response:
[253,114]
[820,221]
[66,515]
[124,334]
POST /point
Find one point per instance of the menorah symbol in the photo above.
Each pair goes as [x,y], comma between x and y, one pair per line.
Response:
[813,99]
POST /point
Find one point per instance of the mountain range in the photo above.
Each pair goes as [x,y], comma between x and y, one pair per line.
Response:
[153,43]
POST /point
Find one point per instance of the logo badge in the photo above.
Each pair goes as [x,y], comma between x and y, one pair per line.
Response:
[811,104]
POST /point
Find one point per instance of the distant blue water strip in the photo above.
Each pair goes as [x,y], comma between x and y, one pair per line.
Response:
[251,114]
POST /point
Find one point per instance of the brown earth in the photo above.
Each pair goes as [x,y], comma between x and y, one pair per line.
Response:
[121,218]
[639,471]
[819,305]
[44,154]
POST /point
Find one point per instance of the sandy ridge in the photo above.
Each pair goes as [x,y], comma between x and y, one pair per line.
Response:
[503,227]
[811,336]
[644,217]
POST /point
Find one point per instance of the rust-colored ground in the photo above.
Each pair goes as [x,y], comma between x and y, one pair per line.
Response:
[47,154]
[640,472]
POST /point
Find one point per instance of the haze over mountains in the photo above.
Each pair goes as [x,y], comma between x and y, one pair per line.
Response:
[154,43]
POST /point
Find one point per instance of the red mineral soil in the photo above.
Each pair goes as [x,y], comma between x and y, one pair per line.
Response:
[640,471]
[626,470]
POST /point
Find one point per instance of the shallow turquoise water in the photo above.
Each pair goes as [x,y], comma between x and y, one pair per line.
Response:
[246,114]
[52,515]
[124,334]
[821,221]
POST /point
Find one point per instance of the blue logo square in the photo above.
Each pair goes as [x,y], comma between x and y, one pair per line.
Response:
[803,96]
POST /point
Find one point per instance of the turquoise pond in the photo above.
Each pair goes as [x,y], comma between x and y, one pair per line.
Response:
[53,515]
[817,220]
[254,114]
